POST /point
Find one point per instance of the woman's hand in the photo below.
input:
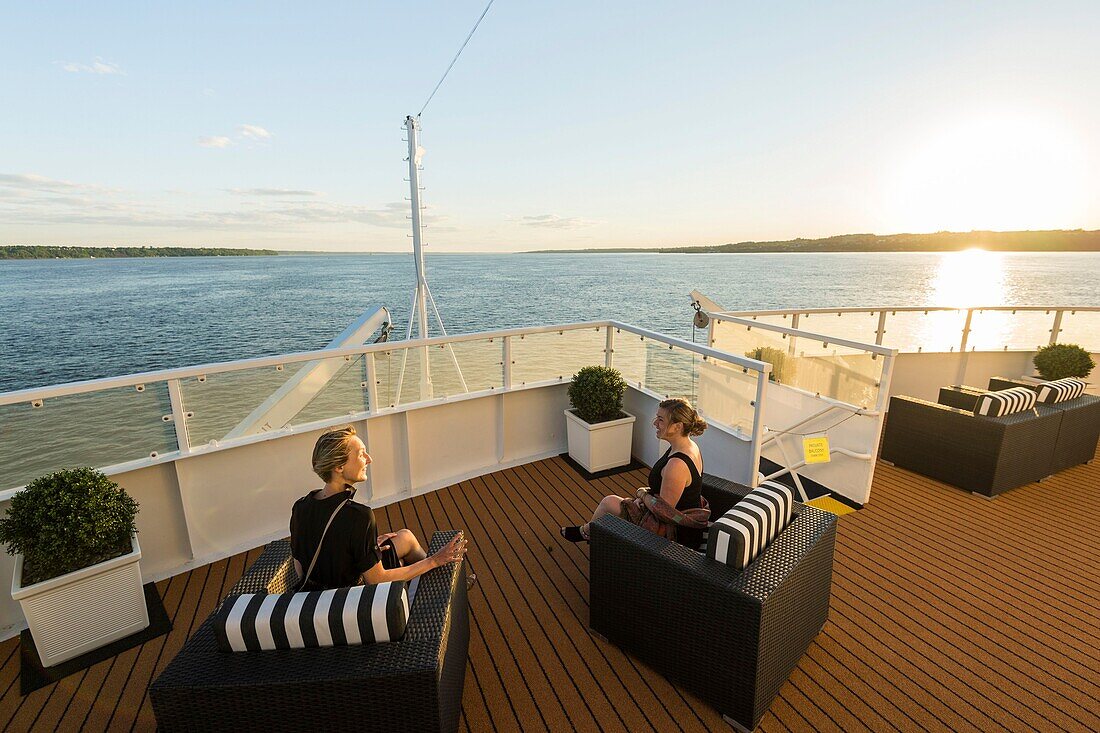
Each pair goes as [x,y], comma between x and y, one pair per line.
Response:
[383,537]
[453,551]
[641,492]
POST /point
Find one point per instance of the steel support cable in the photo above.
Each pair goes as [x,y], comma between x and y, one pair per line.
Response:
[460,50]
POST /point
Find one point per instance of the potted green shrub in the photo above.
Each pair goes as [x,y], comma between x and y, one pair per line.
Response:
[77,573]
[600,434]
[782,366]
[1059,361]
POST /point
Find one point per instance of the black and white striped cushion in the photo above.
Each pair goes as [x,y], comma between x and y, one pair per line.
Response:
[1005,402]
[1060,390]
[743,532]
[363,614]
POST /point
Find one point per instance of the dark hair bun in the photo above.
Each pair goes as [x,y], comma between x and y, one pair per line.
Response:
[698,426]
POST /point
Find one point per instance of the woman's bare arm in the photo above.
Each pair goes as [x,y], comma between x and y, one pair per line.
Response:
[452,551]
[674,479]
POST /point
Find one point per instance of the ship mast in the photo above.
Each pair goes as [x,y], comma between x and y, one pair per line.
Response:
[422,296]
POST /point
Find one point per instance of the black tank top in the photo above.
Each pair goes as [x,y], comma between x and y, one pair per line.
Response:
[690,499]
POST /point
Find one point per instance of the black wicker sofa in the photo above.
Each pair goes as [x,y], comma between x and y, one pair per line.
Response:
[414,684]
[1080,429]
[732,637]
[984,455]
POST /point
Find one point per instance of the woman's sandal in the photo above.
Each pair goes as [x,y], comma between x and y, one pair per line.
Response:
[573,534]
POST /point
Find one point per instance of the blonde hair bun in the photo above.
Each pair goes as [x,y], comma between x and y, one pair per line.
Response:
[681,411]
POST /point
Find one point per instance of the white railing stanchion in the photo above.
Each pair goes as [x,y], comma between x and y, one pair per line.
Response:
[758,421]
[372,383]
[1057,327]
[609,348]
[960,375]
[880,331]
[506,359]
[179,416]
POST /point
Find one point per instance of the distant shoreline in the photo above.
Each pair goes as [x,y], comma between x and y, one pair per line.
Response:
[1058,240]
[31,252]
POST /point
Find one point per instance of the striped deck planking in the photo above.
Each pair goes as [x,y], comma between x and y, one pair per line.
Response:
[949,612]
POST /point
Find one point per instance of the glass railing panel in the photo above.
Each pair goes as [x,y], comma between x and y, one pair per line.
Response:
[1081,328]
[398,373]
[630,355]
[114,426]
[480,365]
[1006,330]
[671,371]
[337,387]
[839,372]
[538,357]
[726,394]
[853,326]
[225,404]
[924,331]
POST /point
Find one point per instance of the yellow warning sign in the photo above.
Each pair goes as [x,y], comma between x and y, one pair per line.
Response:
[816,449]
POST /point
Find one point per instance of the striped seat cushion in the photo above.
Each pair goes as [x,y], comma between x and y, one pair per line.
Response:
[744,531]
[1005,402]
[363,614]
[1060,390]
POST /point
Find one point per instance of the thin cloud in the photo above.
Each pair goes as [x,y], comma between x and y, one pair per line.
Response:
[37,200]
[99,66]
[254,132]
[42,184]
[553,221]
[275,192]
[214,141]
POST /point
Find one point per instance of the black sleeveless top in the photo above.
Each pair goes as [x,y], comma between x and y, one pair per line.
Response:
[690,499]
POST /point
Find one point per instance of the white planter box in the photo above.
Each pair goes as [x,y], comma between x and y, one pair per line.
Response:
[601,446]
[84,610]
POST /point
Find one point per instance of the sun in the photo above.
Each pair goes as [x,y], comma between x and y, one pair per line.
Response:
[1004,170]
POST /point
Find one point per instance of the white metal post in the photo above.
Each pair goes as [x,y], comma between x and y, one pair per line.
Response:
[758,425]
[881,330]
[372,382]
[1057,327]
[960,377]
[507,359]
[179,416]
[420,307]
[609,348]
[790,342]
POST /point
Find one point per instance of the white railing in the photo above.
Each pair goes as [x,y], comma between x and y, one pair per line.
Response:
[129,422]
[824,386]
[942,329]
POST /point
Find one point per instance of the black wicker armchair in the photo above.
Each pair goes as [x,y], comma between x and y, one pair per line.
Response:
[414,684]
[1079,431]
[984,455]
[731,637]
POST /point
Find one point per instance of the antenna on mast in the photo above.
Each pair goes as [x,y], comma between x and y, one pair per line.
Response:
[418,312]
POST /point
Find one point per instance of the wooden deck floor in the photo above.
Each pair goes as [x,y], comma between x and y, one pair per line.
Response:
[949,612]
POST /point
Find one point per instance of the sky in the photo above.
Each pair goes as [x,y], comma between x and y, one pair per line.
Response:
[563,125]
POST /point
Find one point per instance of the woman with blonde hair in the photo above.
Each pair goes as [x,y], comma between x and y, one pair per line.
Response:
[672,505]
[335,541]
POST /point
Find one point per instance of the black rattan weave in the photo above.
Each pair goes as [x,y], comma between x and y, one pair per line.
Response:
[1079,431]
[731,637]
[986,455]
[410,685]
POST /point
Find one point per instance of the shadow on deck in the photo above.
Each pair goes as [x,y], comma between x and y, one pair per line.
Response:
[949,611]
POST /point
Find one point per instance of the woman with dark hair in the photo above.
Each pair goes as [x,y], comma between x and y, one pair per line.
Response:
[672,505]
[335,541]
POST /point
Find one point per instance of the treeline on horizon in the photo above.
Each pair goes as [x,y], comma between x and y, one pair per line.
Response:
[40,252]
[1059,240]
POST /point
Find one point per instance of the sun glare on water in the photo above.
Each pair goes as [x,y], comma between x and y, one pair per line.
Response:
[973,277]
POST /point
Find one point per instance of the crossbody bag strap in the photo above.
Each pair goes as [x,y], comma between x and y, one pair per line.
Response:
[317,553]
